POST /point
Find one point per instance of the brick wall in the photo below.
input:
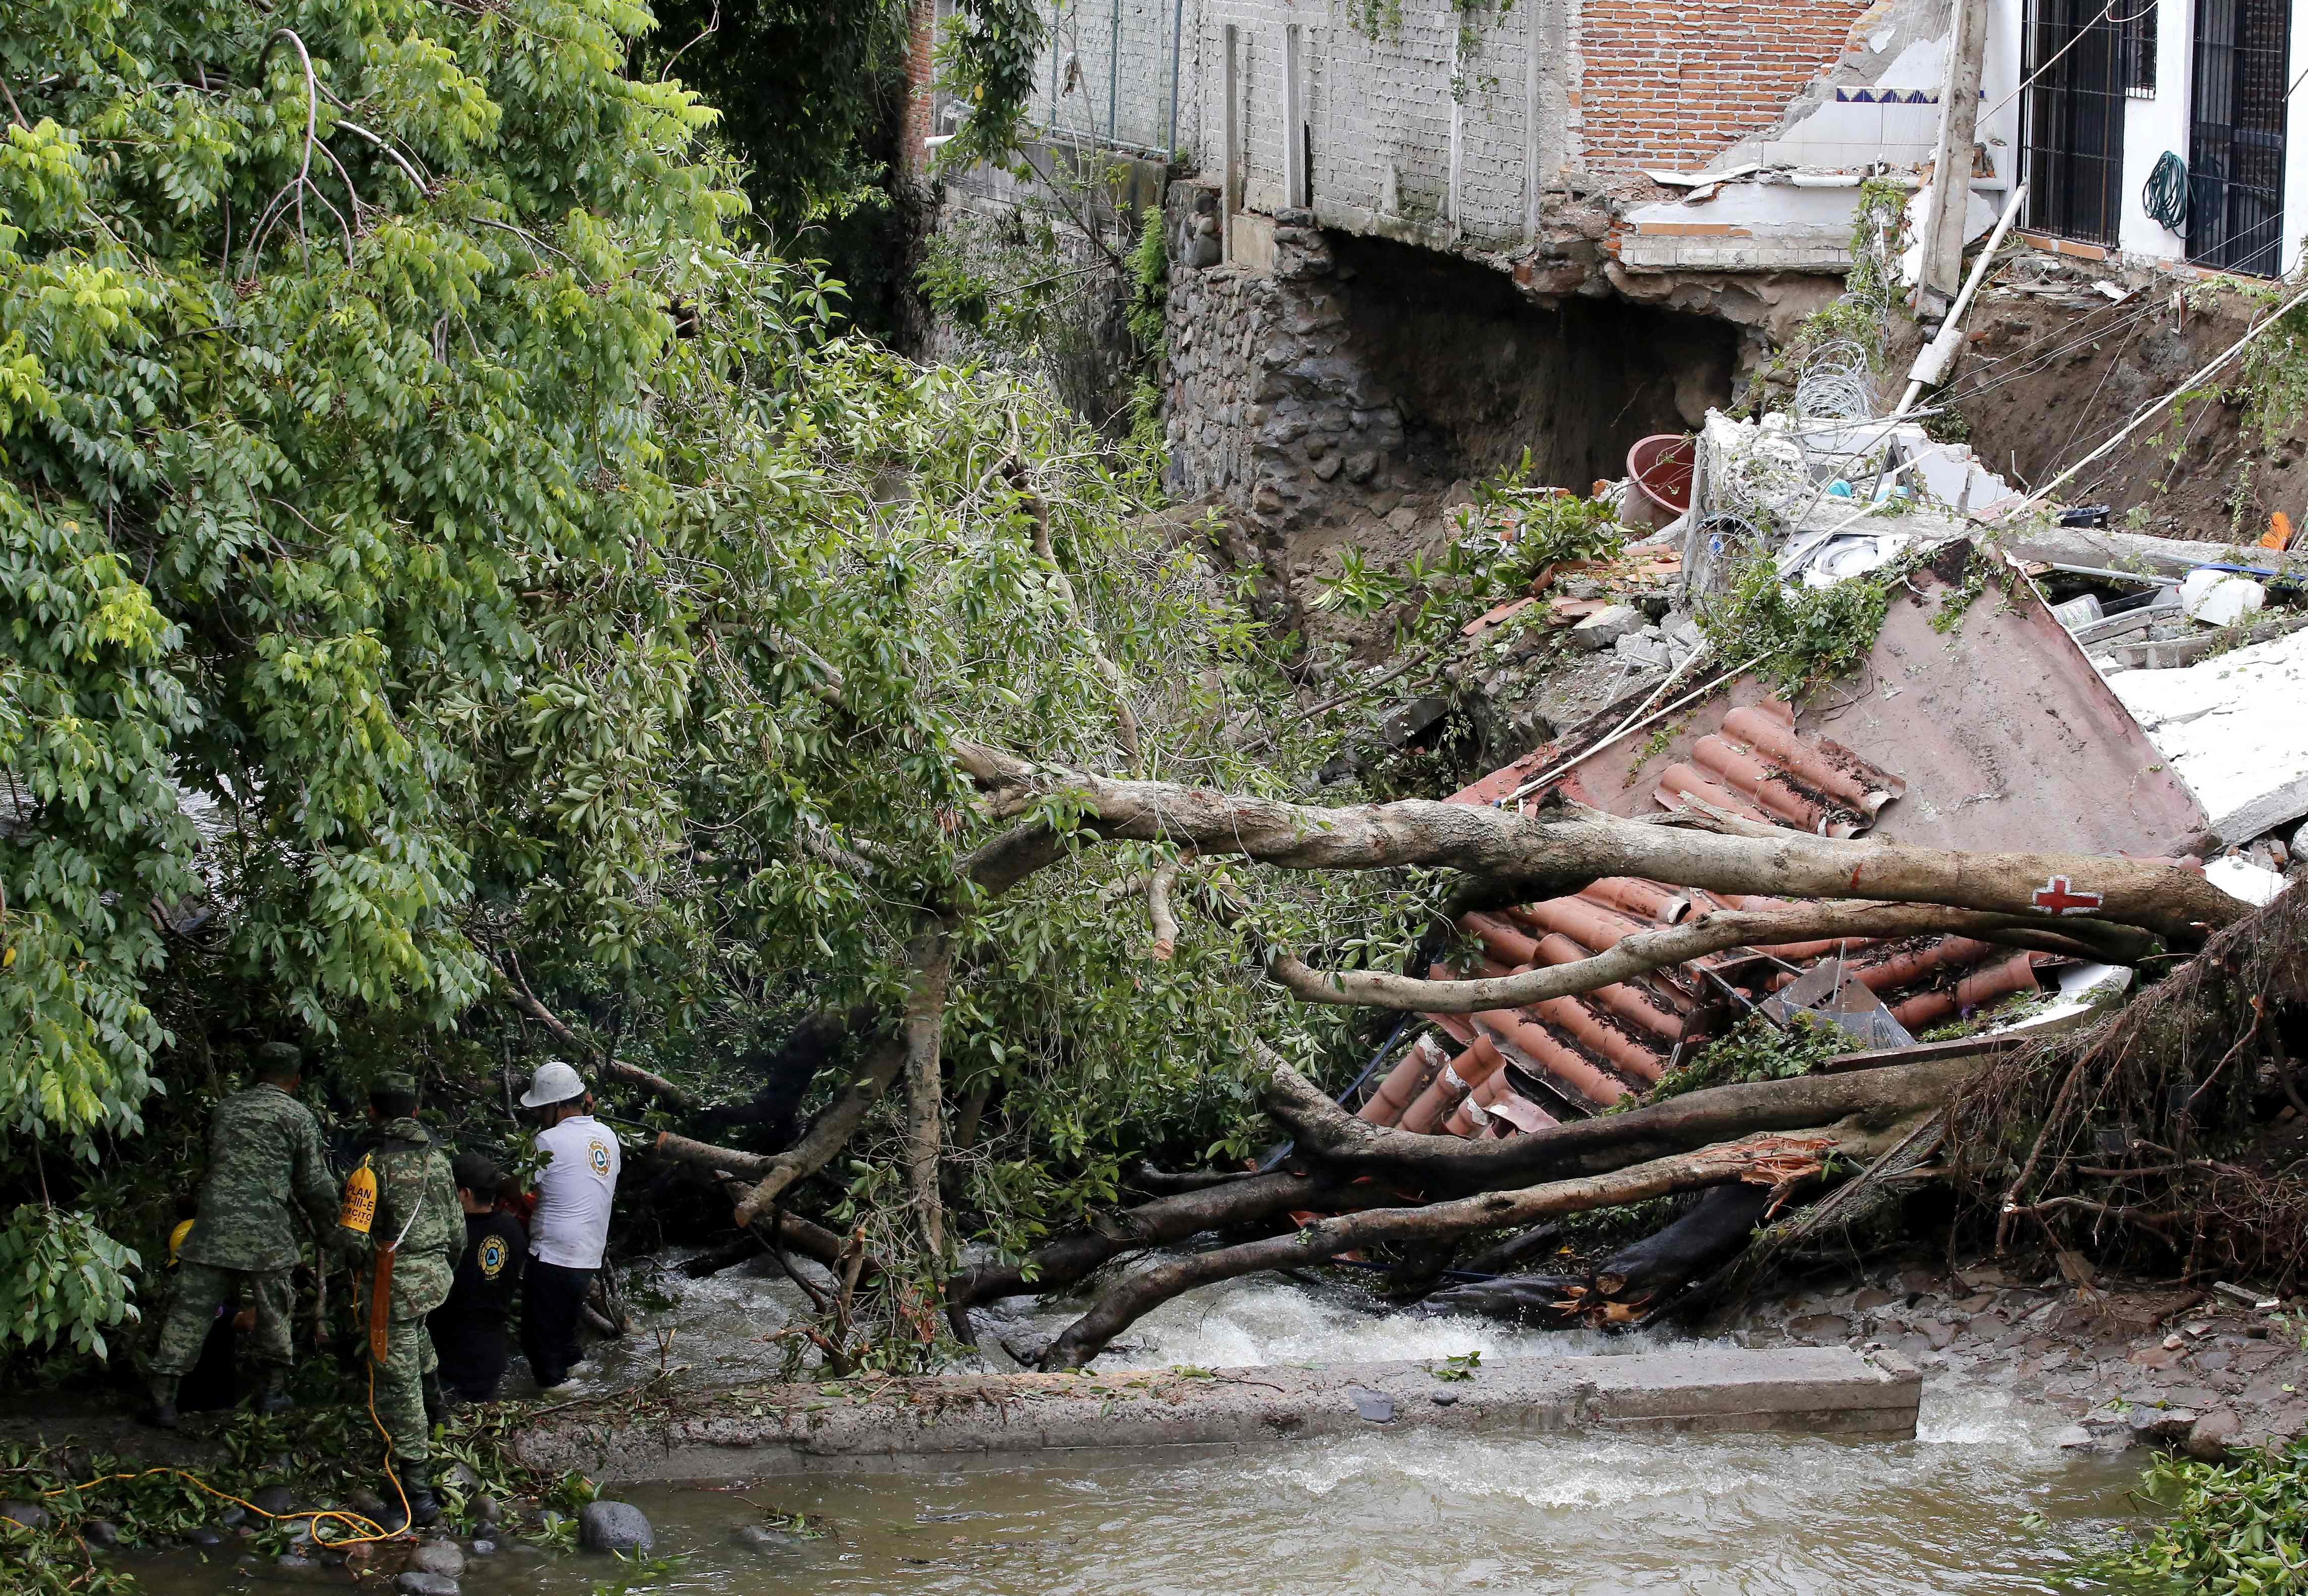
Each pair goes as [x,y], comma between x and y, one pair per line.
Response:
[1673,85]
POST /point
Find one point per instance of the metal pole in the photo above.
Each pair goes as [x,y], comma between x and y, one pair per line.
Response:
[1113,70]
[1177,27]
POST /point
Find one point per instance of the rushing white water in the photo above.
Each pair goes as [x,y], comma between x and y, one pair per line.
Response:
[1981,1501]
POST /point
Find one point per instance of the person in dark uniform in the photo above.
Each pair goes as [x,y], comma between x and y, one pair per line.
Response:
[469,1329]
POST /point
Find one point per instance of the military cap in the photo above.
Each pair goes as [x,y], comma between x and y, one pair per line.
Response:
[393,1083]
[278,1058]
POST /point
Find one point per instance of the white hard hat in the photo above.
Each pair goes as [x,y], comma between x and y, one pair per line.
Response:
[554,1082]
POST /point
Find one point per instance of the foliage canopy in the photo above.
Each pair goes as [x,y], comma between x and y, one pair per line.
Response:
[430,532]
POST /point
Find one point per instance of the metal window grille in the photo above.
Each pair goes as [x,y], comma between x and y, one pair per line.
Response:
[2138,20]
[2236,147]
[2072,118]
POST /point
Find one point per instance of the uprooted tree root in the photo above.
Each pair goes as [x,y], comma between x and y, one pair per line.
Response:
[2130,1136]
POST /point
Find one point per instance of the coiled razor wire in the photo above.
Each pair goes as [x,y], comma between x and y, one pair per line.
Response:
[1764,482]
[1837,383]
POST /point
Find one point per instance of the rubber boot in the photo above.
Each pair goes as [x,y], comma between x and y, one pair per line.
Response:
[436,1401]
[416,1484]
[275,1398]
[160,1414]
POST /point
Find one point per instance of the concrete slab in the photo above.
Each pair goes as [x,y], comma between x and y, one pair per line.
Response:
[2232,729]
[964,1421]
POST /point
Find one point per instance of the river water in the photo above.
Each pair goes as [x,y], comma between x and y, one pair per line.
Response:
[1981,1501]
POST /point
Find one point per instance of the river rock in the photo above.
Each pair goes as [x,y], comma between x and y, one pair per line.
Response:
[615,1527]
[459,1478]
[1376,1406]
[1820,1326]
[275,1499]
[205,1536]
[1874,1297]
[290,1563]
[760,1539]
[438,1556]
[100,1532]
[418,1582]
[2211,1435]
[486,1510]
[2150,1426]
[368,1504]
[30,1514]
[483,1547]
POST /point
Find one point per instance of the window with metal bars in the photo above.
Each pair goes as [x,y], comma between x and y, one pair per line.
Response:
[2076,67]
[2235,136]
[2138,20]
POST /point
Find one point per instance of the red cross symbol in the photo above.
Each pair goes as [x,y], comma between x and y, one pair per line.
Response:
[2054,897]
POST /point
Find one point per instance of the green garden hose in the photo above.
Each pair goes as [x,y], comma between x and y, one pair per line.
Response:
[2166,193]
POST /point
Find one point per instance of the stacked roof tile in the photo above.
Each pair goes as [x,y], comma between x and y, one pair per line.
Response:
[1506,1072]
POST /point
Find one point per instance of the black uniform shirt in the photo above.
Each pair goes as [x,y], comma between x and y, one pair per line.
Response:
[488,1271]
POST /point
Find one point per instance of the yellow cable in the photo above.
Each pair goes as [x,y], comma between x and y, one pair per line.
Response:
[353,1521]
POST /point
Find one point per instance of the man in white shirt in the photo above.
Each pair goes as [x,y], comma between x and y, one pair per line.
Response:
[570,1231]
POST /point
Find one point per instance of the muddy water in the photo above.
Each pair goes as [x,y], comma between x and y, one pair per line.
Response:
[1980,1502]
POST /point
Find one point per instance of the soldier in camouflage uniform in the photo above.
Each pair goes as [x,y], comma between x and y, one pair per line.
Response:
[418,1212]
[265,1163]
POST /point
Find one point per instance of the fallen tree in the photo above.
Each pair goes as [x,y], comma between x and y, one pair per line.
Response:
[1402,1186]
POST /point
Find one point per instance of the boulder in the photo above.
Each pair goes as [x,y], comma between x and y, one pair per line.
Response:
[615,1527]
[418,1582]
[2152,1426]
[100,1532]
[438,1556]
[2211,1435]
[30,1514]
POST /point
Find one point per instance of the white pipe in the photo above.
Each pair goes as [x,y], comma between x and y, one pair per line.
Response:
[1931,364]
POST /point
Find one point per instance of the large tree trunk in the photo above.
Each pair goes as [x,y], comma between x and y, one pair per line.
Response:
[1562,850]
[1331,1140]
[1629,1285]
[1259,1200]
[1775,1159]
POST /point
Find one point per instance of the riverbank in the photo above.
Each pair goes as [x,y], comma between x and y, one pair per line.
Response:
[2128,1364]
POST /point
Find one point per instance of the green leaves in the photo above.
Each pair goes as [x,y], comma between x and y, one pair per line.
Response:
[2238,1527]
[62,1280]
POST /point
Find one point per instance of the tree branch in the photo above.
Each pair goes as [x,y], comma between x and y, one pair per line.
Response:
[1778,1159]
[516,992]
[1715,932]
[1337,1144]
[1565,850]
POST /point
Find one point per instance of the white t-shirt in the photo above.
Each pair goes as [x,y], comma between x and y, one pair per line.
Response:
[571,1228]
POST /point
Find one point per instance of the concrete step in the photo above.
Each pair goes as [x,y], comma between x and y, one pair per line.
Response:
[959,1420]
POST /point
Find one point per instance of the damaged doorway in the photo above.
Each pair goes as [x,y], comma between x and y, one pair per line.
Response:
[2235,142]
[1479,373]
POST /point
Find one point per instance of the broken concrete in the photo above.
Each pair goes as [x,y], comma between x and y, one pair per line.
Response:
[2232,729]
[946,1421]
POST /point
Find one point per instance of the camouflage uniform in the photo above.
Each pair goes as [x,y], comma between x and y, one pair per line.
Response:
[416,1202]
[265,1161]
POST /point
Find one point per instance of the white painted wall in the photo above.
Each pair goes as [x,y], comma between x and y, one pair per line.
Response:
[2153,125]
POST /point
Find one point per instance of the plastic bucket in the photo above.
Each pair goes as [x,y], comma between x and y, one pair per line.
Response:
[1661,467]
